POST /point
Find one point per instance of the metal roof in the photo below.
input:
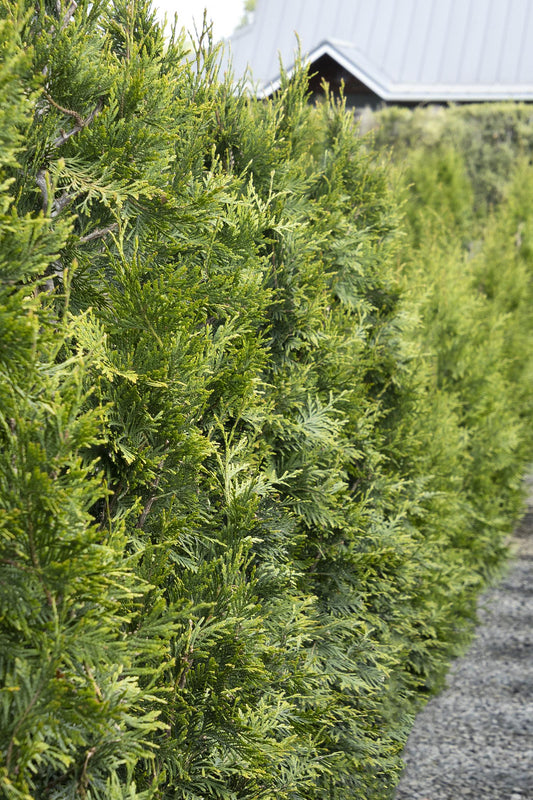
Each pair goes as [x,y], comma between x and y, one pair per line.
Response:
[404,50]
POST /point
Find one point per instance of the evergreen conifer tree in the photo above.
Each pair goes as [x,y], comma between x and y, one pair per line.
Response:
[244,497]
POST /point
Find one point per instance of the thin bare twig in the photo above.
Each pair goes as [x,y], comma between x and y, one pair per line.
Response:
[153,498]
[83,782]
[81,123]
[67,111]
[148,506]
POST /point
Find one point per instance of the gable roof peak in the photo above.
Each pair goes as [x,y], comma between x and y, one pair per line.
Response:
[404,49]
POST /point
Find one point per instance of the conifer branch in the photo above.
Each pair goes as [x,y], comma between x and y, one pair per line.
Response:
[69,13]
[17,727]
[12,563]
[60,203]
[81,123]
[43,184]
[37,566]
[153,498]
[110,507]
[149,504]
[187,664]
[96,688]
[187,660]
[83,782]
[42,179]
[98,234]
[67,111]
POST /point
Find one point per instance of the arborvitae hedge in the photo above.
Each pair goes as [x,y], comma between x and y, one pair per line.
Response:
[262,430]
[486,137]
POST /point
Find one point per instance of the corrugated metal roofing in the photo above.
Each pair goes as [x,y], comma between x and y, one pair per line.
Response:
[411,50]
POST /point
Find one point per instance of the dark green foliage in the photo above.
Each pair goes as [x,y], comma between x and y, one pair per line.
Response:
[261,436]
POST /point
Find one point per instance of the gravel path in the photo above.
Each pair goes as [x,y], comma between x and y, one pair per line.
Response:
[475,740]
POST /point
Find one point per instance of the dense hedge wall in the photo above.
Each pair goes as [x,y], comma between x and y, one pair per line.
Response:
[487,137]
[467,191]
[262,431]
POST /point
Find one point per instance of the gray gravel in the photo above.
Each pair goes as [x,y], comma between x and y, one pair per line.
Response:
[474,741]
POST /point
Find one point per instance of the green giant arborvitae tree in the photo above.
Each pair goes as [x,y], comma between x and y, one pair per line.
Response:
[244,508]
[157,280]
[73,716]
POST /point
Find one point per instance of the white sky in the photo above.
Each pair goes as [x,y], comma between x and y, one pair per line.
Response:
[225,14]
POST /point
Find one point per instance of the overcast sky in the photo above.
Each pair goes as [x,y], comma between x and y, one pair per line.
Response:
[225,14]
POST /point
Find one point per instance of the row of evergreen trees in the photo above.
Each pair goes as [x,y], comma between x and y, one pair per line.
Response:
[261,433]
